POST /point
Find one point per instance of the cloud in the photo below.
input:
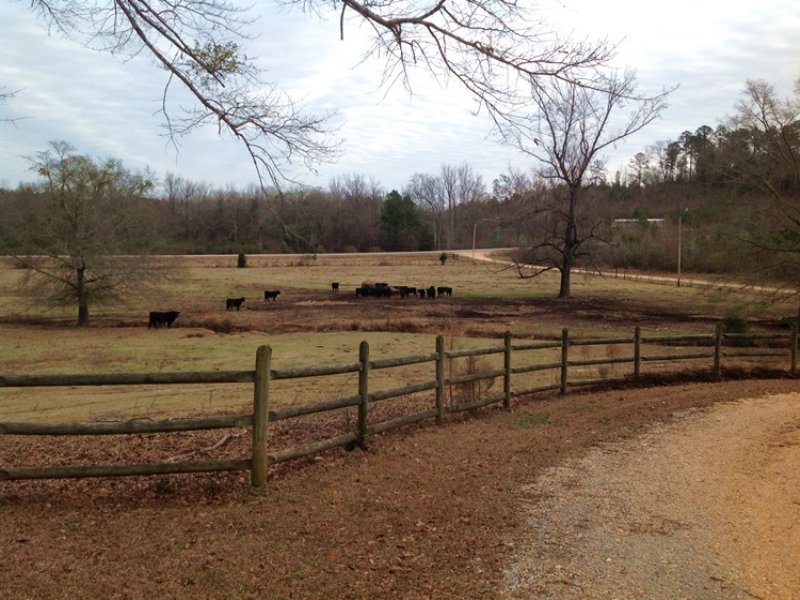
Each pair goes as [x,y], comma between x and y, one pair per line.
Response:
[106,107]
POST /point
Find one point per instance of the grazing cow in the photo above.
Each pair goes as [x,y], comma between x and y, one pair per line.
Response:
[376,290]
[335,286]
[272,295]
[405,290]
[431,292]
[444,291]
[234,303]
[159,318]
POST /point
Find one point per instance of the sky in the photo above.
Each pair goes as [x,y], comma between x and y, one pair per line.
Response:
[108,107]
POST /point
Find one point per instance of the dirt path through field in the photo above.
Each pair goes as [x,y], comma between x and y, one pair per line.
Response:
[705,507]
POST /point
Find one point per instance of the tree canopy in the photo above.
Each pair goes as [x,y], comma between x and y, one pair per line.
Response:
[492,48]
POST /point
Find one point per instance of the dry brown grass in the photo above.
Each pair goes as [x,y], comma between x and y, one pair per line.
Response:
[309,324]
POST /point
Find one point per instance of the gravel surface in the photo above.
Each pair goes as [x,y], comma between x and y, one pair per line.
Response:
[705,507]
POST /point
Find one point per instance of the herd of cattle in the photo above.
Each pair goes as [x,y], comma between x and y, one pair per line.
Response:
[365,290]
[384,290]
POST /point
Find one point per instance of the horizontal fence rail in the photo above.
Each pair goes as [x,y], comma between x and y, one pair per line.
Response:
[704,347]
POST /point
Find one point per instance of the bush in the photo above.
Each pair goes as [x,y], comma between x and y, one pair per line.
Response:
[241,261]
[470,392]
[734,324]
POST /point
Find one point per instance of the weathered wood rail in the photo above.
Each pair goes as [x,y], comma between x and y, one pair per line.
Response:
[709,347]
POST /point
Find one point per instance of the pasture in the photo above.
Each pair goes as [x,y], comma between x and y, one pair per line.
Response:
[310,324]
[425,512]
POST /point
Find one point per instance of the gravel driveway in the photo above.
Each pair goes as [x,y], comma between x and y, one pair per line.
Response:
[705,507]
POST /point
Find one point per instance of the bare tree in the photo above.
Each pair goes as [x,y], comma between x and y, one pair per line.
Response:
[73,241]
[426,189]
[572,125]
[358,209]
[762,153]
[490,47]
[442,193]
[512,184]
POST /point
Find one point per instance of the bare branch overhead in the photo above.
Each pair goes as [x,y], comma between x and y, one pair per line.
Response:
[493,48]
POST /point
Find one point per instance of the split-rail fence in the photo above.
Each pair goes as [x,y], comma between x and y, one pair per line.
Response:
[714,346]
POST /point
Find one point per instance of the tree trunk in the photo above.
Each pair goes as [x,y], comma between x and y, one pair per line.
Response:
[83,315]
[566,274]
[83,300]
[570,245]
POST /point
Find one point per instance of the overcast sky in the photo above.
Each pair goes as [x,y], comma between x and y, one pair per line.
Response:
[109,108]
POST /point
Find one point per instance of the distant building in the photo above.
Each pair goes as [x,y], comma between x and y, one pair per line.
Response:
[653,222]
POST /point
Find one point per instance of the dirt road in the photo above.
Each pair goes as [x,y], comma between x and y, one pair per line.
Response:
[705,507]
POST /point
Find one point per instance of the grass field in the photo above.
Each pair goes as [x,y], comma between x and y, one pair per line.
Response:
[309,324]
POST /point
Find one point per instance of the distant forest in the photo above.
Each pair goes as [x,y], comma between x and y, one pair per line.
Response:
[734,189]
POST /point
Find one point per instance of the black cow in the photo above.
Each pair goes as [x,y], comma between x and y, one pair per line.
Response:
[159,318]
[234,303]
[405,290]
[272,295]
[335,286]
[431,292]
[444,291]
[362,291]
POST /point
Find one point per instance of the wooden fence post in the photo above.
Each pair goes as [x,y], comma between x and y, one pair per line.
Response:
[564,359]
[794,349]
[507,371]
[718,351]
[637,352]
[258,463]
[440,358]
[363,392]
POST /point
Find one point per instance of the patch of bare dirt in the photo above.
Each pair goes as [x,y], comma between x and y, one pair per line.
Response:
[301,310]
[427,512]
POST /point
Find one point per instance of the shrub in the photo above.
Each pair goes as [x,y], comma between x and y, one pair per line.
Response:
[241,261]
[734,324]
[469,392]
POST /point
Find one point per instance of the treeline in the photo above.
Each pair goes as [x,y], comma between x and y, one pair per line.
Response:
[637,224]
[353,215]
[734,189]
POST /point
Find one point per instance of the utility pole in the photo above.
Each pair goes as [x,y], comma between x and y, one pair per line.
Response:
[680,228]
[680,242]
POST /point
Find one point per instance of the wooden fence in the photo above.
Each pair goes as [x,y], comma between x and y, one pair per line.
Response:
[713,347]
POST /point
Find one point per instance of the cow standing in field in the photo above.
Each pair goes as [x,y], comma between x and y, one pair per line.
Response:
[272,295]
[335,286]
[444,291]
[431,292]
[405,290]
[232,303]
[160,318]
